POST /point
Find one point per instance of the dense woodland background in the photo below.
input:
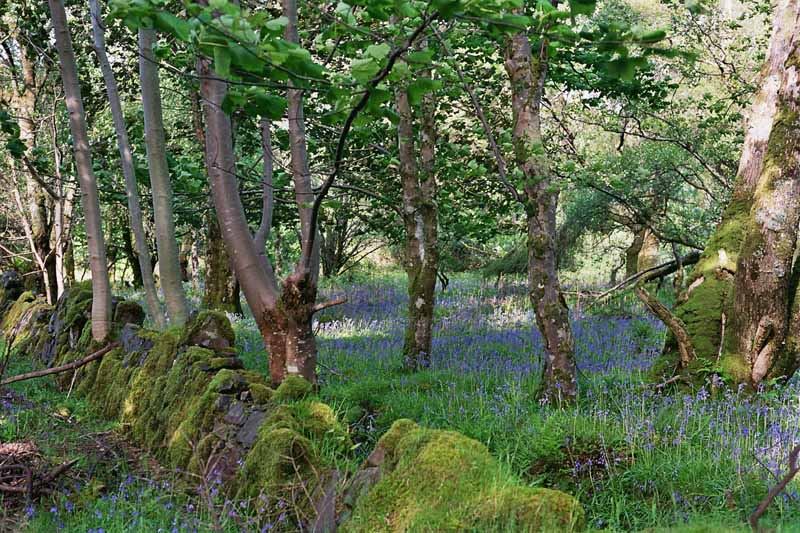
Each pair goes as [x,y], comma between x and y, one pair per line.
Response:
[566,229]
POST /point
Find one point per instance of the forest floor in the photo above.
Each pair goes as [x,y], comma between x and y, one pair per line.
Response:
[636,457]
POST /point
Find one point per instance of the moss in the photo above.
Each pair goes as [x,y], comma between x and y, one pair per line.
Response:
[129,312]
[442,480]
[293,388]
[280,457]
[214,323]
[261,393]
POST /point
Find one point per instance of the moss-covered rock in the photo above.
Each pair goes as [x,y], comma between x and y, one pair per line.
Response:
[210,329]
[435,480]
[293,388]
[129,312]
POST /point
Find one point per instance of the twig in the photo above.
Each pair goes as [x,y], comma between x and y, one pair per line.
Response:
[63,368]
[774,491]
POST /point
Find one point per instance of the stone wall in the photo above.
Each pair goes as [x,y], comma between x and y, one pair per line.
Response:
[183,395]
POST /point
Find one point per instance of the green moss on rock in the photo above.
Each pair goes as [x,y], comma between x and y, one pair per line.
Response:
[436,480]
[293,388]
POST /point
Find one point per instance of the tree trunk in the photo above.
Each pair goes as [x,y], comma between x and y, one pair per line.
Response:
[527,74]
[632,252]
[222,291]
[138,254]
[420,221]
[166,242]
[762,297]
[710,300]
[101,286]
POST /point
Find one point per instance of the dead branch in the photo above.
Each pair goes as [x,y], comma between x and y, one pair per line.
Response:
[777,489]
[330,303]
[63,368]
[650,274]
[673,323]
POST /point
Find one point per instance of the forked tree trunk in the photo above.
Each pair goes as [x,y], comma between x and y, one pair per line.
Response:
[420,219]
[712,299]
[527,74]
[166,242]
[101,287]
[141,262]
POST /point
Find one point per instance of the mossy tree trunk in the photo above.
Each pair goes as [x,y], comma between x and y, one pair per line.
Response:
[738,300]
[101,286]
[420,219]
[527,73]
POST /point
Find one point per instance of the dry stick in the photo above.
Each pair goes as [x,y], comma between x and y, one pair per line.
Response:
[63,368]
[675,324]
[774,491]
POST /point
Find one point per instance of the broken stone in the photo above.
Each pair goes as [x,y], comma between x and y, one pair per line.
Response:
[249,432]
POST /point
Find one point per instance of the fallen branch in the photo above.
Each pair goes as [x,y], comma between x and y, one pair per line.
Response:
[330,303]
[777,489]
[63,368]
[650,274]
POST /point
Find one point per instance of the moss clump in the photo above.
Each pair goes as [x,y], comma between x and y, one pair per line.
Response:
[293,388]
[210,329]
[261,393]
[441,480]
[280,457]
[128,312]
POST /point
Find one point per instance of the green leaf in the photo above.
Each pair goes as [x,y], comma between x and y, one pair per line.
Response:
[267,105]
[420,88]
[222,61]
[170,23]
[582,7]
[277,24]
[422,57]
[652,37]
[364,70]
[378,51]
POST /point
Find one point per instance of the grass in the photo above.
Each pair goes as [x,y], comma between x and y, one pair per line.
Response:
[692,460]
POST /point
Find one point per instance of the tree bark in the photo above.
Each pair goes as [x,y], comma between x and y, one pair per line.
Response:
[527,73]
[101,286]
[420,219]
[762,283]
[143,272]
[713,290]
[166,242]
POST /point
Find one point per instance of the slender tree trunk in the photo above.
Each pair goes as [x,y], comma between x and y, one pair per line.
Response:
[140,257]
[101,286]
[632,252]
[166,242]
[710,302]
[527,74]
[420,221]
[648,254]
[221,286]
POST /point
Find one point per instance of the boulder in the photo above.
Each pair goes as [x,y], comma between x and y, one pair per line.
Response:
[436,480]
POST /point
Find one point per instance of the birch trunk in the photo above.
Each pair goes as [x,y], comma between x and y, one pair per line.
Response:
[166,243]
[101,286]
[420,221]
[527,74]
[145,269]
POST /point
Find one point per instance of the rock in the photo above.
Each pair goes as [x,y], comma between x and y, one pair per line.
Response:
[249,431]
[357,488]
[212,330]
[230,382]
[128,312]
[11,287]
[436,480]
[236,414]
[218,363]
[135,346]
[324,503]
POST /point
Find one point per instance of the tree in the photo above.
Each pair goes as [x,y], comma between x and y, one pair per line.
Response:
[527,72]
[142,251]
[740,317]
[420,219]
[166,241]
[101,289]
